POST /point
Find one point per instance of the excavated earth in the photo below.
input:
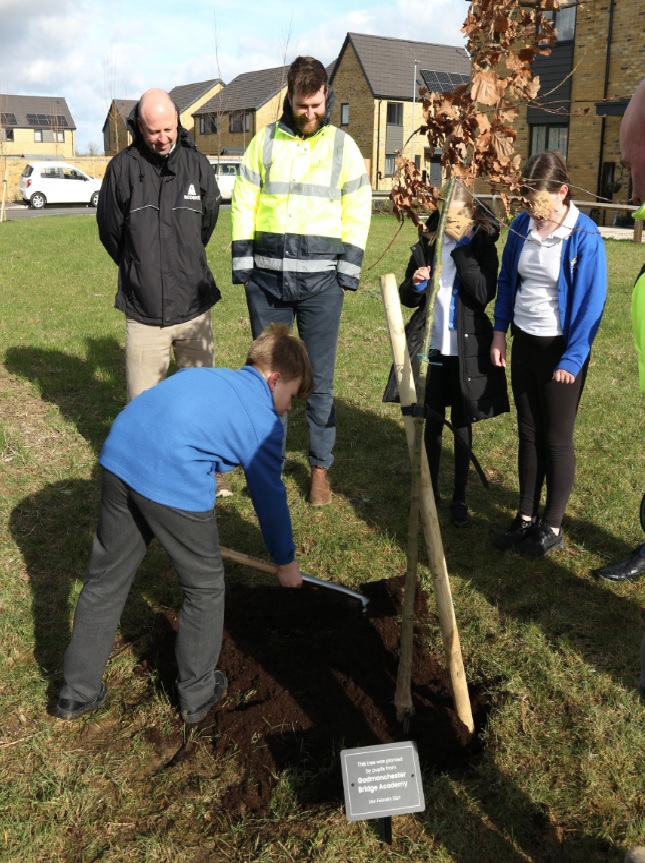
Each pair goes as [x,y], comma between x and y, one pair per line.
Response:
[310,674]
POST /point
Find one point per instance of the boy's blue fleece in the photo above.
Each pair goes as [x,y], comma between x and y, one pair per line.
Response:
[582,286]
[169,441]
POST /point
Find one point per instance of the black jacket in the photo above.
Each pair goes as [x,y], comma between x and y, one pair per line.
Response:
[483,386]
[155,216]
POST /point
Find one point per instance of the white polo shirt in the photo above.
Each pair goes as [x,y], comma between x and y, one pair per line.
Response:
[536,302]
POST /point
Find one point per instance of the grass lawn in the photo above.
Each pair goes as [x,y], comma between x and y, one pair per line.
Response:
[560,776]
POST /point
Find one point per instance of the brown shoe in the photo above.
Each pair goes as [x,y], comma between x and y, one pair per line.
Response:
[319,492]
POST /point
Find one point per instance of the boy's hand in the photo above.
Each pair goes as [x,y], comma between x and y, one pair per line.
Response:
[289,574]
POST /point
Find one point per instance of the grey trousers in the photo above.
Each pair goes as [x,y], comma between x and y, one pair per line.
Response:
[127,524]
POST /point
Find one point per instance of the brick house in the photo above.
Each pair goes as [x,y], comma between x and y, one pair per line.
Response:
[376,81]
[188,97]
[226,123]
[586,83]
[36,127]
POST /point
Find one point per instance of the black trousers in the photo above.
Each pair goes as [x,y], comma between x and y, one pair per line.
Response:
[546,414]
[443,389]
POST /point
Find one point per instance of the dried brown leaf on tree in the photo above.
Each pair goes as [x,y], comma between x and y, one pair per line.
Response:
[487,87]
[503,39]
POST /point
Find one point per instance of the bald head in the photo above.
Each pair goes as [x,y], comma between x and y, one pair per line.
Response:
[158,121]
[632,142]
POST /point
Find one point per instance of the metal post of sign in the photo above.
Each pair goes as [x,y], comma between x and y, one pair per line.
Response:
[385,830]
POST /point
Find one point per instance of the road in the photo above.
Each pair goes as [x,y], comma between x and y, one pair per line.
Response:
[22,211]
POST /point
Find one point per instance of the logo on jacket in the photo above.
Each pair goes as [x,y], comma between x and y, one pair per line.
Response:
[191,194]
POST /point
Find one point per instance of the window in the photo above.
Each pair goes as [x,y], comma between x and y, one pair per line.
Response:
[38,136]
[208,124]
[565,23]
[239,121]
[395,113]
[8,134]
[390,164]
[344,113]
[59,137]
[549,138]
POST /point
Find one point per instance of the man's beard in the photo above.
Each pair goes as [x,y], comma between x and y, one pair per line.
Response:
[307,127]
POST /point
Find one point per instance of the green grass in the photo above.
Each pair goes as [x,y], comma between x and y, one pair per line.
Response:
[561,774]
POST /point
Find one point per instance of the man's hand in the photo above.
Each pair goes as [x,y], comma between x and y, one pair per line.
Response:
[498,349]
[289,574]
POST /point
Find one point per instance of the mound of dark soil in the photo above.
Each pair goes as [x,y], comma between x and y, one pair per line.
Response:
[311,674]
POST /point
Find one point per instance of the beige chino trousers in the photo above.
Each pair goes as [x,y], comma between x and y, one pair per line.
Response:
[147,350]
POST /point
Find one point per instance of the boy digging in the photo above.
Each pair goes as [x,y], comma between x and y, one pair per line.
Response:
[159,464]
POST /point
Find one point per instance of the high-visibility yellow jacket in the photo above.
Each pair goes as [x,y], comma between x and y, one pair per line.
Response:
[300,211]
[638,323]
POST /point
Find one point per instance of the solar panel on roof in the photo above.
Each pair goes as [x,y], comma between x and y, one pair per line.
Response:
[7,118]
[52,120]
[439,81]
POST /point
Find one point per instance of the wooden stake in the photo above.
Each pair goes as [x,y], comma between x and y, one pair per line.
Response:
[428,511]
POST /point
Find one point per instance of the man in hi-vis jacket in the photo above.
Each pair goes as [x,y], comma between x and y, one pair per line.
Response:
[300,218]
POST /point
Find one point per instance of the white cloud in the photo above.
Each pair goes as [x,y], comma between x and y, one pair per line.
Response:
[90,52]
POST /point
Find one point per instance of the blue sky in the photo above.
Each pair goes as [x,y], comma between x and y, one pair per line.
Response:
[89,52]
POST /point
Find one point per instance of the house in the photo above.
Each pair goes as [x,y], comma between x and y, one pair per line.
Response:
[585,85]
[226,123]
[36,127]
[376,82]
[187,97]
[190,97]
[116,134]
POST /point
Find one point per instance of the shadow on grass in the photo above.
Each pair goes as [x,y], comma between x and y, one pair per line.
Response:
[88,392]
[54,531]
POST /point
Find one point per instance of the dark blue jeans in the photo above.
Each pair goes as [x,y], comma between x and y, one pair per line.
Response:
[318,320]
[127,524]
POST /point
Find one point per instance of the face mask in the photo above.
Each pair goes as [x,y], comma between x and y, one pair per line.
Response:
[640,213]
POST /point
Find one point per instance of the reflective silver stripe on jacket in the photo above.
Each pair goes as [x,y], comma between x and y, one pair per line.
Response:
[295,265]
[348,269]
[308,190]
[245,263]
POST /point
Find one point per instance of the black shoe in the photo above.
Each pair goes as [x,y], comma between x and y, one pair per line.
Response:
[190,717]
[459,512]
[68,709]
[629,570]
[517,531]
[539,541]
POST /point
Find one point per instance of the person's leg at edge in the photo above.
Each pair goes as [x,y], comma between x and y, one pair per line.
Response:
[191,540]
[147,356]
[120,543]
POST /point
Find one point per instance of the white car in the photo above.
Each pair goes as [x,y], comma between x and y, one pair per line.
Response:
[226,170]
[57,183]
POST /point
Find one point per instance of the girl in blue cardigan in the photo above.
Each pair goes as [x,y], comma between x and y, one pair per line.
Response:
[551,292]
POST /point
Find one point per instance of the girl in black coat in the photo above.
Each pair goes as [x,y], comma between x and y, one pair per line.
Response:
[460,373]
